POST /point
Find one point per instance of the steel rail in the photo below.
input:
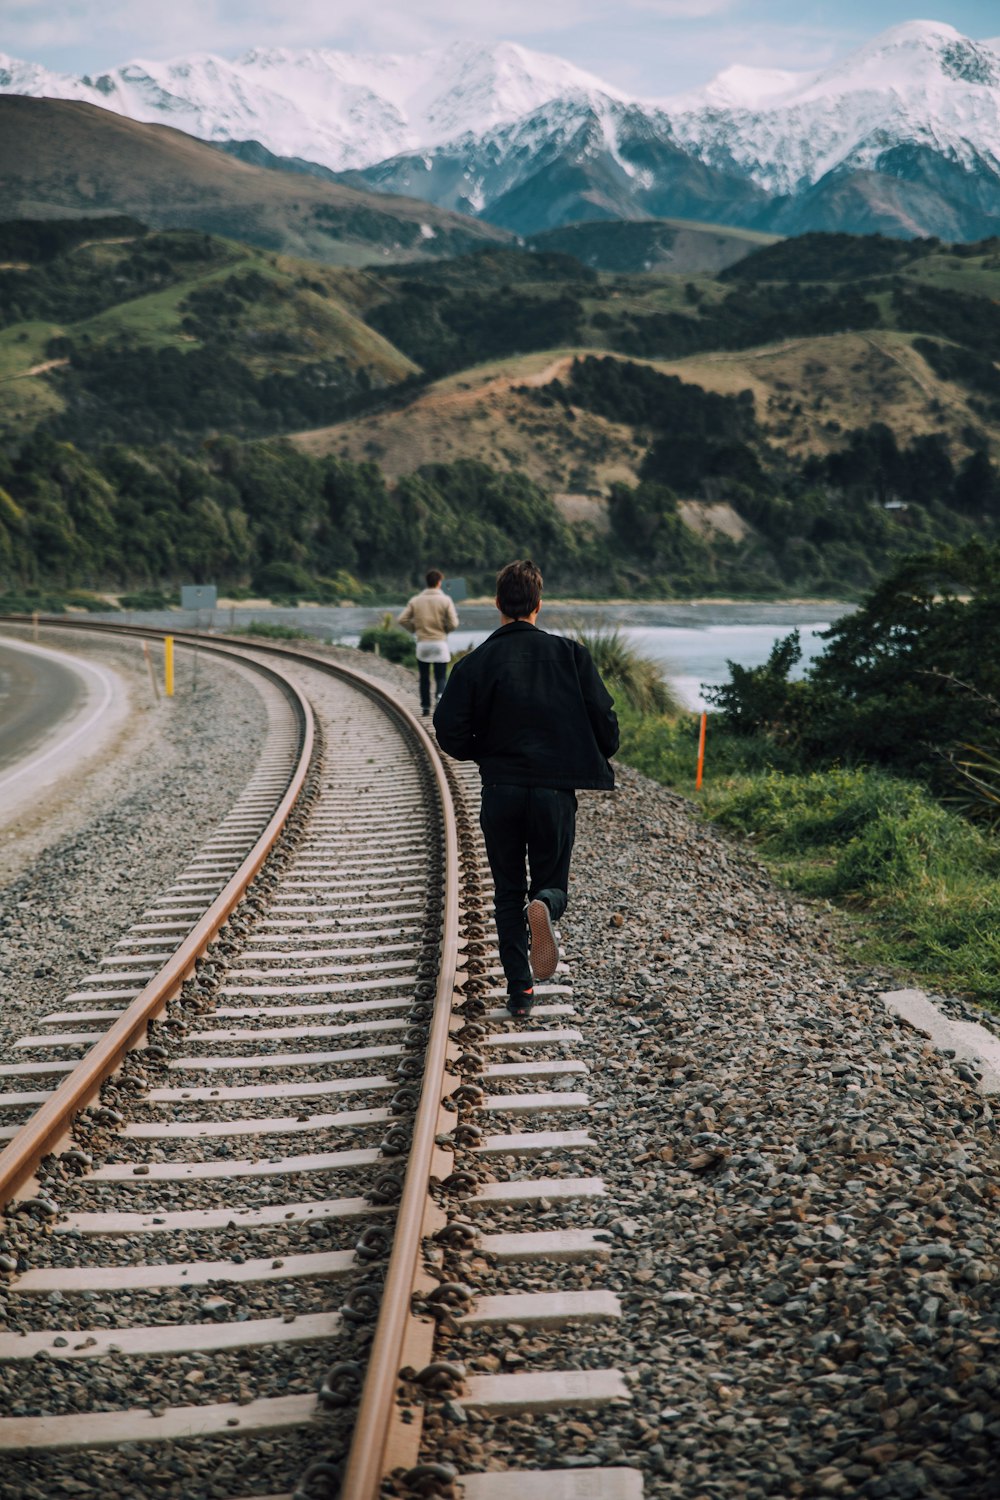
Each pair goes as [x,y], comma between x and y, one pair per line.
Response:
[367,1460]
[49,1125]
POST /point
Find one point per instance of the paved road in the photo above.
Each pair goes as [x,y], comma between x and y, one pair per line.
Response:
[55,711]
[36,693]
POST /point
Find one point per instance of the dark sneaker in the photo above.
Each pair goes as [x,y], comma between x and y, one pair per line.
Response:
[544,948]
[521,1003]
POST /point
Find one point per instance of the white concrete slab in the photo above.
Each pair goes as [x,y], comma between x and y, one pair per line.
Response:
[100,1429]
[547,1308]
[554,1484]
[322,1266]
[546,1391]
[967,1039]
[180,1338]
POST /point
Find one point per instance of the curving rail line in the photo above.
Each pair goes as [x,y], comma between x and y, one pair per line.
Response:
[398,1420]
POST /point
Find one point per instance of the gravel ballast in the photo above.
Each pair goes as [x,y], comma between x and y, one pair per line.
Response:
[801,1200]
[800,1212]
[77,872]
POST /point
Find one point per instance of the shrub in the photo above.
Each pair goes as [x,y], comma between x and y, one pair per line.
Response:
[977,775]
[145,599]
[283,580]
[630,675]
[389,641]
[29,601]
[94,604]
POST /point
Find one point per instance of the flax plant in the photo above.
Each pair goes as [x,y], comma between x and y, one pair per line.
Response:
[630,676]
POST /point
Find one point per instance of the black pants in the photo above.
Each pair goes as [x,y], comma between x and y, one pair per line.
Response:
[540,822]
[440,678]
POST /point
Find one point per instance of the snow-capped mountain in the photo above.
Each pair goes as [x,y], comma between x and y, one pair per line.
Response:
[335,108]
[902,136]
[921,84]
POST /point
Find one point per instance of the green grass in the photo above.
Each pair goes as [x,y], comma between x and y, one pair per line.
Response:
[265,630]
[919,883]
[155,318]
[974,278]
[26,399]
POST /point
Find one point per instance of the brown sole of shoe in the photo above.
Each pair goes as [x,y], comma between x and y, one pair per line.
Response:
[544,948]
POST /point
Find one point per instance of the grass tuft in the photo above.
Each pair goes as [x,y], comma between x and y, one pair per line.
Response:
[267,630]
[630,676]
[918,882]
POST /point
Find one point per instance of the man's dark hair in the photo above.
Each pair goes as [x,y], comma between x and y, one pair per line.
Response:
[519,589]
[434,578]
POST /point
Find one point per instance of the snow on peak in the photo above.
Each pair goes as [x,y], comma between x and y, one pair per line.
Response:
[920,83]
[742,87]
[338,108]
[908,55]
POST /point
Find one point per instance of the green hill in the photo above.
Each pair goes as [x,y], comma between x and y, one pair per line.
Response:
[108,335]
[790,424]
[60,158]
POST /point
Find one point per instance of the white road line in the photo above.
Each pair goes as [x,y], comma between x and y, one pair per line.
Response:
[82,668]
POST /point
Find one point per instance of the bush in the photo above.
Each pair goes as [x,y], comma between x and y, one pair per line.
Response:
[757,700]
[145,599]
[265,630]
[26,603]
[94,604]
[284,580]
[389,641]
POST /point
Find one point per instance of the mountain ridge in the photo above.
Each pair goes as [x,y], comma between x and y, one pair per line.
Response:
[62,157]
[530,142]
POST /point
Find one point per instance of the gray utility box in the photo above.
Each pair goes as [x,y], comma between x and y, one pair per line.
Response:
[199,596]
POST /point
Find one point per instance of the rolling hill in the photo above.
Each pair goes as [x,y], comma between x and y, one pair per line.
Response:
[808,395]
[109,331]
[815,408]
[62,157]
[679,247]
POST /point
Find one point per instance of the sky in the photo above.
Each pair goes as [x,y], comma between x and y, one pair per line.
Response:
[650,48]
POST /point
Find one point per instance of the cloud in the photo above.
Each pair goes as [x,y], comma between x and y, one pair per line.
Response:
[652,48]
[113,31]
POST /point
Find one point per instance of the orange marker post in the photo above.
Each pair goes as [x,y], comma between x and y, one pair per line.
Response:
[701,752]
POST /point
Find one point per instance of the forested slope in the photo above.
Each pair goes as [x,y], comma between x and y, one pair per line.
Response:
[837,397]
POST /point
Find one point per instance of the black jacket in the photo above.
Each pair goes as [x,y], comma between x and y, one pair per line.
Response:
[531,709]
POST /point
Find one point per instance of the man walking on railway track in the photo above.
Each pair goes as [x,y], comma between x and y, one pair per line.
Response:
[429,616]
[531,710]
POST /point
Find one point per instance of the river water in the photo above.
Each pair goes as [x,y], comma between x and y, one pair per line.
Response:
[692,641]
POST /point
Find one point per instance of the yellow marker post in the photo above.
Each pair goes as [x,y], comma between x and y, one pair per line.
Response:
[168,664]
[701,751]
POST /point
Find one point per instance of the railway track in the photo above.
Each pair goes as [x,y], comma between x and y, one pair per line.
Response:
[276,1172]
